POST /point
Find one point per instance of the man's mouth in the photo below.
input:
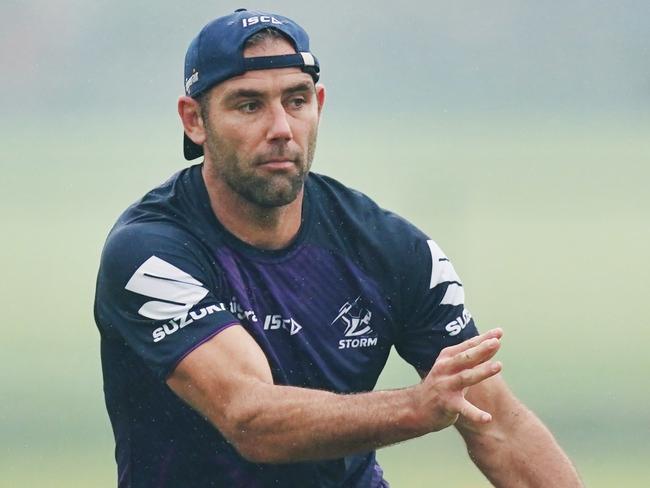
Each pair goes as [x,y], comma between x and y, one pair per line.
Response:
[277,164]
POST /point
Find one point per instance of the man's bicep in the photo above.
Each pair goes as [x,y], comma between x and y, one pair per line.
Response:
[158,295]
[218,377]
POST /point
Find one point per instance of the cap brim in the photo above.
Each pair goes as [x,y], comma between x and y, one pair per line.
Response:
[190,149]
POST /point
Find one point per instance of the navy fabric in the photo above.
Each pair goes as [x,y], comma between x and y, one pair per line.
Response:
[217,52]
[326,311]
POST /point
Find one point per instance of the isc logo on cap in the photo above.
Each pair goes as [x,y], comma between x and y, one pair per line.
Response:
[264,19]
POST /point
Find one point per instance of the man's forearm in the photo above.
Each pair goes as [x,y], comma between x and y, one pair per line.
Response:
[519,451]
[302,424]
[272,423]
[278,424]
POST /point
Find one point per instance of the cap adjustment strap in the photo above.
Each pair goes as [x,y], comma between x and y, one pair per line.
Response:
[306,61]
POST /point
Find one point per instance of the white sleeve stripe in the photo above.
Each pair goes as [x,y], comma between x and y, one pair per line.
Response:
[158,279]
[455,295]
[163,310]
[442,270]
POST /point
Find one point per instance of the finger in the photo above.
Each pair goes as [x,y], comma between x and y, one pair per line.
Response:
[476,355]
[474,341]
[470,377]
[474,414]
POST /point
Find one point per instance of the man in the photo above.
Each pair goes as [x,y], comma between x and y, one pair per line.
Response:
[247,306]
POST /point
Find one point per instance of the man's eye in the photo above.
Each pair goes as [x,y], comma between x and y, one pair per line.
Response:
[249,107]
[297,102]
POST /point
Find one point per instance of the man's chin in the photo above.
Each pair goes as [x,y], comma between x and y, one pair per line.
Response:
[277,191]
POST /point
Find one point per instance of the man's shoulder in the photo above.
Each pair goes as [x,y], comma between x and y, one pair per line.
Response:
[384,245]
[353,211]
[334,191]
[162,222]
[169,201]
[130,244]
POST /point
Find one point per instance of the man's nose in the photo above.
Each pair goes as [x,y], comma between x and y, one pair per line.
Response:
[279,128]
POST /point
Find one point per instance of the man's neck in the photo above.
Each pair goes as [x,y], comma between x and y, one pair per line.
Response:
[262,227]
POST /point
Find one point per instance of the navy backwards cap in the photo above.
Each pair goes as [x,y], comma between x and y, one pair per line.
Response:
[217,54]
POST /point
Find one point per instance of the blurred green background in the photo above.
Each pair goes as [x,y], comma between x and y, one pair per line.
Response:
[516,134]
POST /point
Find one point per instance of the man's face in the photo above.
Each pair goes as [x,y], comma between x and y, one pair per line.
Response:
[261,130]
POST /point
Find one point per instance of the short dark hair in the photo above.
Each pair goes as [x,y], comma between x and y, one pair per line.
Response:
[260,37]
[204,104]
[266,34]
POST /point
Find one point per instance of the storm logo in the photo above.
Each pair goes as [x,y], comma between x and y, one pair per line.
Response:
[357,323]
[355,317]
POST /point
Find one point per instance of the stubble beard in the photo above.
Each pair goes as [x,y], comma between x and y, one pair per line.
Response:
[261,188]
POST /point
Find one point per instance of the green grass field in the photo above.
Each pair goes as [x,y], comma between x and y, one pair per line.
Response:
[546,221]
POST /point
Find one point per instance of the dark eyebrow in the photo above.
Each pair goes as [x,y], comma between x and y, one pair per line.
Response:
[300,87]
[243,93]
[250,93]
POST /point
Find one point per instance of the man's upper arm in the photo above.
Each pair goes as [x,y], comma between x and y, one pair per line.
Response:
[218,378]
[158,294]
[160,297]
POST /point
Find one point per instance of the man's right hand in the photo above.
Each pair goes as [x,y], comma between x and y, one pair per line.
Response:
[440,397]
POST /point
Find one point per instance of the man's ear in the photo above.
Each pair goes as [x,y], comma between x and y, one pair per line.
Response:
[190,114]
[320,97]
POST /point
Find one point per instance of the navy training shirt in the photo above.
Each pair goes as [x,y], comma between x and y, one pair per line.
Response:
[326,310]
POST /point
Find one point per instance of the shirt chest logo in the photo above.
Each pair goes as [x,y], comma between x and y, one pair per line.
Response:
[354,318]
[277,322]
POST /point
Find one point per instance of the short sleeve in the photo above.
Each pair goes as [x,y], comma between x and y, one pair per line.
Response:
[435,315]
[158,291]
